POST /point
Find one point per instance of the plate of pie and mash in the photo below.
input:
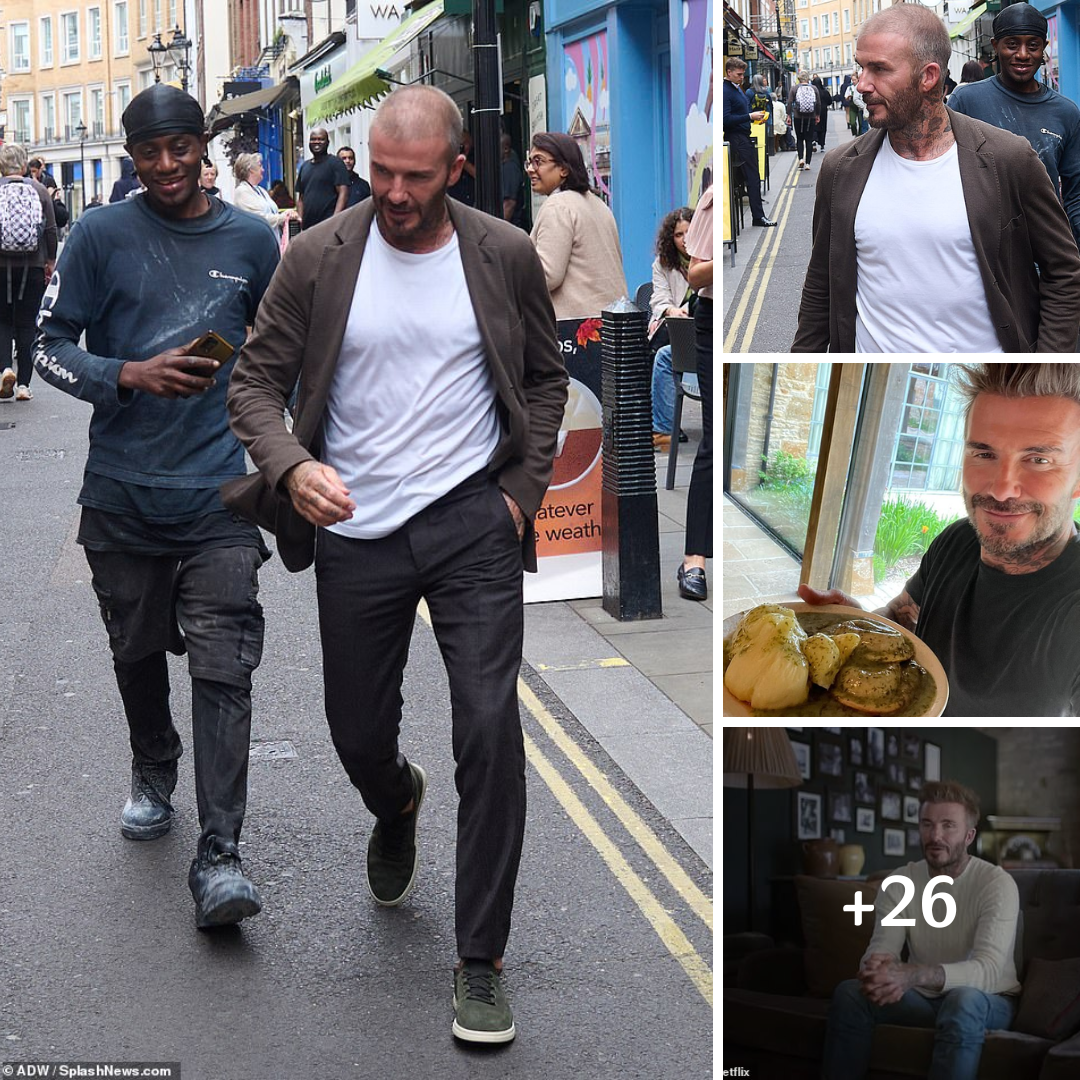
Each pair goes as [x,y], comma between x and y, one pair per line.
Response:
[802,659]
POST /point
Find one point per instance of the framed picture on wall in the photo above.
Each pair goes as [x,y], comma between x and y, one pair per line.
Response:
[840,806]
[830,760]
[855,750]
[807,816]
[914,840]
[802,756]
[911,809]
[895,842]
[912,746]
[838,835]
[892,744]
[875,746]
[914,781]
[892,808]
[864,819]
[896,773]
[932,761]
[865,790]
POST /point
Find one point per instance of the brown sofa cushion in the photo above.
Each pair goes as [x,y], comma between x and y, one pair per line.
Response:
[834,944]
[1050,1005]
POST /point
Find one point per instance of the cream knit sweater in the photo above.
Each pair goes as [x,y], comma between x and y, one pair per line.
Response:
[976,950]
[578,245]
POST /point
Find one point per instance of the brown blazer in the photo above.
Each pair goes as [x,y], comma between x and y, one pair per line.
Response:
[299,330]
[1017,223]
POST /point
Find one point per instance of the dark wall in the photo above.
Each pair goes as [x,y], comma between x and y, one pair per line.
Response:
[966,755]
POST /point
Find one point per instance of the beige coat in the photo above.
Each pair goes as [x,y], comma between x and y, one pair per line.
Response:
[578,244]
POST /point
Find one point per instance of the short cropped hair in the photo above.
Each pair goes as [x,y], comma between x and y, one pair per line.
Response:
[12,159]
[924,31]
[1017,381]
[420,112]
[942,791]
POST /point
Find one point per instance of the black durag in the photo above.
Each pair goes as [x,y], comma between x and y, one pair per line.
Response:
[162,110]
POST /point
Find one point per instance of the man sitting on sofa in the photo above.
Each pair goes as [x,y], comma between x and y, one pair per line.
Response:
[960,979]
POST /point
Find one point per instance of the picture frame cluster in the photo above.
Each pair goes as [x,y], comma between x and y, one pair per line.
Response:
[861,781]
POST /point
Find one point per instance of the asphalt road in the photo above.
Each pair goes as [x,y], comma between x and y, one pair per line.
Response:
[762,291]
[608,963]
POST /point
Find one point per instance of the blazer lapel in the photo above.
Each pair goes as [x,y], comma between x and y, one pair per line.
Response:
[486,281]
[335,284]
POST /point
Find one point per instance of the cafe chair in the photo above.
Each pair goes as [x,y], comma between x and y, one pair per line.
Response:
[683,362]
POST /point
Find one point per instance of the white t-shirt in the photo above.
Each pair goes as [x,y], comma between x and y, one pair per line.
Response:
[411,411]
[919,287]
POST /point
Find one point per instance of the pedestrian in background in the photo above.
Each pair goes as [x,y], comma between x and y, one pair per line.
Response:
[737,121]
[437,313]
[250,195]
[127,183]
[322,185]
[759,98]
[780,126]
[511,183]
[970,73]
[208,178]
[821,129]
[804,108]
[27,255]
[1015,101]
[697,546]
[671,296]
[173,570]
[574,232]
[359,188]
[931,187]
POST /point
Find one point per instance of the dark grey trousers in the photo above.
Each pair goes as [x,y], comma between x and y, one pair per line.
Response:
[212,597]
[462,555]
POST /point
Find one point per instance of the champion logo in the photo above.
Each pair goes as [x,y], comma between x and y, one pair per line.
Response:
[1047,131]
[228,277]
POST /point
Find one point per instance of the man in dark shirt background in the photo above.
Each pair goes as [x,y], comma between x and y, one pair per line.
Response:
[464,190]
[1015,101]
[997,595]
[359,188]
[322,185]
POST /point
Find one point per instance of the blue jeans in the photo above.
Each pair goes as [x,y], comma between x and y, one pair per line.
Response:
[960,1018]
[663,391]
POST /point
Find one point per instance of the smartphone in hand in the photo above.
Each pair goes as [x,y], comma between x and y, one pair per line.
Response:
[214,347]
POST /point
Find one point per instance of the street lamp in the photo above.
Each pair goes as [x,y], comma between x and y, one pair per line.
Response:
[81,132]
[180,45]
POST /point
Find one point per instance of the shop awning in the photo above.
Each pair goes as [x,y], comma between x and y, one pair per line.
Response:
[225,113]
[360,85]
[961,26]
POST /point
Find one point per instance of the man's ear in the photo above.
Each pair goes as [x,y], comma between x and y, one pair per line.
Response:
[931,76]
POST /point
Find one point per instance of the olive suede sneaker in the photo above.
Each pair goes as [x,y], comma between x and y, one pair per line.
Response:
[483,1015]
[391,854]
[223,895]
[148,813]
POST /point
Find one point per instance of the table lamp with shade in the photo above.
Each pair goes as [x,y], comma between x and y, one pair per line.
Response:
[757,758]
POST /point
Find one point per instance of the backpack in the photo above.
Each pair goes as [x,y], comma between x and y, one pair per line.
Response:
[805,100]
[22,221]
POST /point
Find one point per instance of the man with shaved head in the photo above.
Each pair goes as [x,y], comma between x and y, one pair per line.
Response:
[431,395]
[322,185]
[930,187]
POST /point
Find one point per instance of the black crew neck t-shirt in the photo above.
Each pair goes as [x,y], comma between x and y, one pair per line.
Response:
[318,182]
[1009,643]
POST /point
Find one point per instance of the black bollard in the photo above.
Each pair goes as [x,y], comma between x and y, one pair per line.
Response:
[631,547]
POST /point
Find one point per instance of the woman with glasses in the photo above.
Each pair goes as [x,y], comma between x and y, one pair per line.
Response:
[574,232]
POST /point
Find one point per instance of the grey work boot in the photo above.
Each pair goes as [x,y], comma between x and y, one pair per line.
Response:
[148,813]
[223,895]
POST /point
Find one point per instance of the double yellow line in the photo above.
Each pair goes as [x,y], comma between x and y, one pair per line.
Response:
[762,266]
[659,918]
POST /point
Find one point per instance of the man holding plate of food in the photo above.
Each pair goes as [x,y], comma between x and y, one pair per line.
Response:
[997,595]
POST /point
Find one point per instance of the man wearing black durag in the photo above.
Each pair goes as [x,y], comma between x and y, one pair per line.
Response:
[1015,101]
[172,569]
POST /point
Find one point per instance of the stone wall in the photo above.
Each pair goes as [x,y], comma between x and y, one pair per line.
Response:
[792,409]
[1039,776]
